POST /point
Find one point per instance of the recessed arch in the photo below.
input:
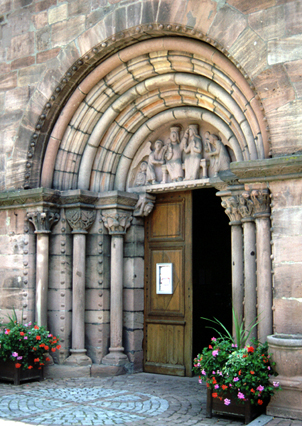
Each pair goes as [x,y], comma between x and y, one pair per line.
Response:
[136,87]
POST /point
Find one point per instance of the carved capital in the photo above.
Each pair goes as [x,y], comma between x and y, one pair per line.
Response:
[79,219]
[246,206]
[231,205]
[261,202]
[117,221]
[144,205]
[43,221]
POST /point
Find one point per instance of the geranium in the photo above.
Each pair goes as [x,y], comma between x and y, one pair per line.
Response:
[20,341]
[226,401]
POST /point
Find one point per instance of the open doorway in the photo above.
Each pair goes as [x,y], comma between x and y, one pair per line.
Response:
[212,288]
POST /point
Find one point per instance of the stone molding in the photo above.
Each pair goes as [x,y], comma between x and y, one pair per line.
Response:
[43,221]
[80,219]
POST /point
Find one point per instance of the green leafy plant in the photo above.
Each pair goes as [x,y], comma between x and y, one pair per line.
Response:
[241,371]
[26,344]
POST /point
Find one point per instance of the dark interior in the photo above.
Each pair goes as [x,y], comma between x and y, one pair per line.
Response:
[212,288]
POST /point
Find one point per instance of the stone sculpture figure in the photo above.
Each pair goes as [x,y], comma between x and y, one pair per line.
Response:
[156,158]
[193,149]
[219,157]
[140,179]
[173,155]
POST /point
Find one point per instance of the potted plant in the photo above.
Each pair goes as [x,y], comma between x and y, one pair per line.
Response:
[238,375]
[23,350]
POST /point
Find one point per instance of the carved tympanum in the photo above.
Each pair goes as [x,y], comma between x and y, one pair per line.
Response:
[186,157]
[43,221]
[80,219]
[116,222]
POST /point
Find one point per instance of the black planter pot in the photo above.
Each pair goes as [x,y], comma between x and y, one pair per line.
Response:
[8,372]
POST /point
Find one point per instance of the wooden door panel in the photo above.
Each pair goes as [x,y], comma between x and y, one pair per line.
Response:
[164,303]
[168,317]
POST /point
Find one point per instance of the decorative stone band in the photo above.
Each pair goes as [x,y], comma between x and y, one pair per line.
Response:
[80,219]
[117,221]
[43,221]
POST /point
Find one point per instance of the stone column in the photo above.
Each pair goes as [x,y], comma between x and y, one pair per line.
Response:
[42,222]
[250,280]
[80,221]
[117,221]
[231,209]
[261,202]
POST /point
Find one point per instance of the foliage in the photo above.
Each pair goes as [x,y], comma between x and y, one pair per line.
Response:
[19,342]
[242,372]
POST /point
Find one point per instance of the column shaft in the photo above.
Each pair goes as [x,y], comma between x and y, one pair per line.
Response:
[264,278]
[42,279]
[250,281]
[78,291]
[237,271]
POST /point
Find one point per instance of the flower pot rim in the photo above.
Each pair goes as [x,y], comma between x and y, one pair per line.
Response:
[281,339]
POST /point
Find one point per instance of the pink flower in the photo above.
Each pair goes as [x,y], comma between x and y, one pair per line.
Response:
[216,386]
[276,384]
[25,337]
[213,339]
[240,395]
[203,373]
[236,379]
[260,388]
[227,401]
[215,353]
[213,372]
[234,346]
[19,357]
[15,354]
[199,381]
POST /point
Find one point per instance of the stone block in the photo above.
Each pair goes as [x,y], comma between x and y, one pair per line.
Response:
[293,17]
[47,55]
[288,280]
[5,6]
[44,5]
[134,272]
[60,245]
[134,13]
[250,51]
[40,20]
[97,341]
[78,7]
[57,14]
[59,324]
[4,68]
[94,272]
[134,320]
[287,249]
[137,360]
[171,11]
[8,81]
[97,317]
[193,17]
[2,99]
[287,221]
[287,193]
[97,299]
[50,80]
[65,371]
[274,92]
[30,75]
[59,300]
[91,37]
[17,98]
[293,70]
[60,271]
[246,6]
[227,26]
[269,23]
[64,32]
[12,244]
[43,39]
[150,9]
[133,299]
[285,50]
[22,45]
[133,340]
[10,119]
[18,4]
[22,62]
[287,316]
[106,370]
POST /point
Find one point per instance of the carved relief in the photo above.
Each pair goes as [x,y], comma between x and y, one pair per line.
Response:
[231,206]
[144,206]
[116,222]
[180,156]
[246,205]
[80,219]
[43,221]
[261,202]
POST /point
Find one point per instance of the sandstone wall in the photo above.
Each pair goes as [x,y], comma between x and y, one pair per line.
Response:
[40,40]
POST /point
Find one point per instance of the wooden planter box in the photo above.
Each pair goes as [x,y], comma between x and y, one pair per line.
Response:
[246,409]
[9,372]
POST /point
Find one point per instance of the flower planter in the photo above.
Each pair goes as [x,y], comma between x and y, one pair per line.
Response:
[8,372]
[246,409]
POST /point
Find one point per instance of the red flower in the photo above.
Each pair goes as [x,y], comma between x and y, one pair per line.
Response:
[210,347]
[18,365]
[36,327]
[53,349]
[42,345]
[59,347]
[214,394]
[41,363]
[36,359]
[38,337]
[260,402]
[46,347]
[224,387]
[244,356]
[252,390]
[208,385]
[21,333]
[39,368]
[214,381]
[30,367]
[252,372]
[34,348]
[239,372]
[250,349]
[47,359]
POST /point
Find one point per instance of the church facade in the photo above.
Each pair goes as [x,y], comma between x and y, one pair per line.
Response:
[113,116]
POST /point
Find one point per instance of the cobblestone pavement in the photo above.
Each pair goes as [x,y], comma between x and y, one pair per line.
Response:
[137,400]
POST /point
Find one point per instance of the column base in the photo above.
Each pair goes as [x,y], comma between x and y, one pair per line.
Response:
[287,402]
[116,357]
[78,357]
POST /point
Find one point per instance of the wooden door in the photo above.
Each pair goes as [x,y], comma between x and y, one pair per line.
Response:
[168,317]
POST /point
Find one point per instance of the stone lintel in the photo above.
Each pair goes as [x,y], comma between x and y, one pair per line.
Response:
[117,200]
[78,198]
[38,198]
[269,169]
